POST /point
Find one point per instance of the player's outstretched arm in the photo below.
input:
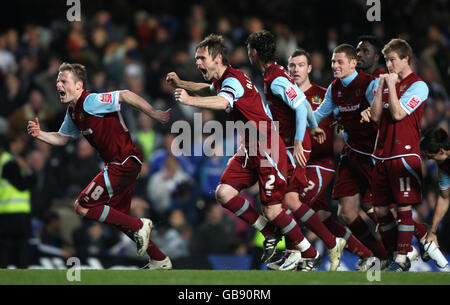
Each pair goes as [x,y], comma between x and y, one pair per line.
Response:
[134,100]
[207,102]
[202,89]
[440,210]
[52,138]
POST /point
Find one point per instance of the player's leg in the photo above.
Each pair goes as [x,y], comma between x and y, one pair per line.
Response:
[351,181]
[272,186]
[287,225]
[405,180]
[103,201]
[157,259]
[306,184]
[310,258]
[237,176]
[304,214]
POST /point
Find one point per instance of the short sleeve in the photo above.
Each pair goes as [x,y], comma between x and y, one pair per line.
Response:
[414,96]
[232,90]
[327,107]
[371,89]
[288,92]
[68,127]
[444,180]
[99,104]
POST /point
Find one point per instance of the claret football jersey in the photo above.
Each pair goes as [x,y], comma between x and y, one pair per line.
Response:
[97,117]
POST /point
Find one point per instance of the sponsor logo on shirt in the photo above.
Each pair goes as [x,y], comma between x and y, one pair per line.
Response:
[348,108]
[413,102]
[291,93]
[105,98]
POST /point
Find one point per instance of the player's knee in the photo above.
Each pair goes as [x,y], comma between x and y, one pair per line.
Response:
[220,195]
[381,211]
[323,214]
[348,208]
[292,200]
[272,211]
[224,193]
[79,209]
[347,215]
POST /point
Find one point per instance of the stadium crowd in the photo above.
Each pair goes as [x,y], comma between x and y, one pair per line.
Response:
[136,53]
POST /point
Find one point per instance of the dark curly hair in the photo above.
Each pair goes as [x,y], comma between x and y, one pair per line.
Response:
[264,43]
[434,139]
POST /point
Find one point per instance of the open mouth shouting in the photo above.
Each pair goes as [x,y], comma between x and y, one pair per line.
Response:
[204,72]
[62,94]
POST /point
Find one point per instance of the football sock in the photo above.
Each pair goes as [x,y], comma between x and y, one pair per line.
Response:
[107,214]
[290,229]
[311,252]
[353,244]
[388,231]
[420,230]
[405,231]
[310,219]
[362,231]
[242,208]
[154,252]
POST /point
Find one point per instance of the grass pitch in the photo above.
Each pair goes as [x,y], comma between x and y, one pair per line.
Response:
[217,277]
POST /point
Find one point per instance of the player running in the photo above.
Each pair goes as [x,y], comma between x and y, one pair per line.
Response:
[320,169]
[233,92]
[97,117]
[349,94]
[289,107]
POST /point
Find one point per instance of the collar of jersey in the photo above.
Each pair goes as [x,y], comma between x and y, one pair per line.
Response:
[346,81]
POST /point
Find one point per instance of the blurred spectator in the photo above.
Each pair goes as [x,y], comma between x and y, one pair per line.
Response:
[83,167]
[216,234]
[93,239]
[14,94]
[285,42]
[50,236]
[163,184]
[157,162]
[46,81]
[41,191]
[147,138]
[35,107]
[436,55]
[15,220]
[7,59]
[174,238]
[210,173]
[320,73]
[135,82]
